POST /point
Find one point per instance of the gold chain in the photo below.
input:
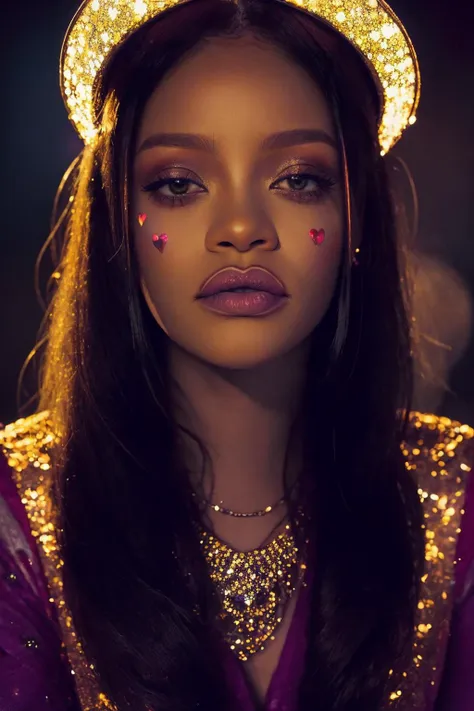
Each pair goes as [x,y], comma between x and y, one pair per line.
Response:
[238,514]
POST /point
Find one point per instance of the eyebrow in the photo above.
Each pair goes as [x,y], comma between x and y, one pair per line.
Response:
[282,139]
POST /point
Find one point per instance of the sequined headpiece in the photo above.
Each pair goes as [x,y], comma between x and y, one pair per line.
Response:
[371,26]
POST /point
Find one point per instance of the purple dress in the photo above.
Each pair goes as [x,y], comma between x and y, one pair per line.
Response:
[43,668]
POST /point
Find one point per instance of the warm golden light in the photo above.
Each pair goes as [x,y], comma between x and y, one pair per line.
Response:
[370,25]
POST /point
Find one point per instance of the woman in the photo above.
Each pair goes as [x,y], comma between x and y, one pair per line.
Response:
[227,492]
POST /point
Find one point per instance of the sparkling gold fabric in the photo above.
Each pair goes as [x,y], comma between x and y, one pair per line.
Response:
[100,26]
[438,451]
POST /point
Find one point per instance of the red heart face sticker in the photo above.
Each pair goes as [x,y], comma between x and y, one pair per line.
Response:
[141,219]
[318,236]
[160,241]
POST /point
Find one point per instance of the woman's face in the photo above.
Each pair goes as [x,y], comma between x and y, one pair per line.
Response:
[239,190]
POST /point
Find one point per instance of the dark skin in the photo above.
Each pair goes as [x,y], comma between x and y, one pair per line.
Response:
[241,378]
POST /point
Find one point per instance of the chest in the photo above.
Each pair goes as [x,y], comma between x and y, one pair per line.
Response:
[262,667]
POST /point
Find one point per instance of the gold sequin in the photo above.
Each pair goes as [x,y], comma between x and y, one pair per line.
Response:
[27,444]
[371,26]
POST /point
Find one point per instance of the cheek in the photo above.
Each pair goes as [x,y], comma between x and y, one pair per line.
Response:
[167,274]
[314,254]
[165,241]
[316,286]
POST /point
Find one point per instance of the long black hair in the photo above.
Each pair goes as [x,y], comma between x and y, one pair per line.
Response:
[134,574]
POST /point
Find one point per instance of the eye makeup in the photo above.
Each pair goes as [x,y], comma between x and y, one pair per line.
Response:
[171,187]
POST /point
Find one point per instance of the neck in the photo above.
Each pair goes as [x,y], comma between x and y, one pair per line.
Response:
[244,419]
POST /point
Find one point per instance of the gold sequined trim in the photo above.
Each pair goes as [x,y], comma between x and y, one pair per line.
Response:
[440,452]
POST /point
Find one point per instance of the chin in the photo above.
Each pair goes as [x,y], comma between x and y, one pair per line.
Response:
[244,361]
[244,356]
[239,346]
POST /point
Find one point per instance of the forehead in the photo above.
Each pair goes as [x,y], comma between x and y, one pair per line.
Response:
[240,86]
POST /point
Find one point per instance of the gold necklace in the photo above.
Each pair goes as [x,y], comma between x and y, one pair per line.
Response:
[238,514]
[251,514]
[254,587]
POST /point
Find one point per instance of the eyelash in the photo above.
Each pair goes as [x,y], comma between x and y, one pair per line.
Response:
[325,184]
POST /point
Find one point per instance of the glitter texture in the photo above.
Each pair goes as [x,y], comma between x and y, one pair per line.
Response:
[371,26]
[437,450]
[440,453]
[254,588]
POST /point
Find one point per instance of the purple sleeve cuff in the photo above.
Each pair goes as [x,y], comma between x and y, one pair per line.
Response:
[33,671]
[457,688]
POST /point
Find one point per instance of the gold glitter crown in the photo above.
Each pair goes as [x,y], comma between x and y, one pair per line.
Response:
[371,26]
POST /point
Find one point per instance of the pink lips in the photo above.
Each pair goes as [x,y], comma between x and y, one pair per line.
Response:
[233,292]
[256,278]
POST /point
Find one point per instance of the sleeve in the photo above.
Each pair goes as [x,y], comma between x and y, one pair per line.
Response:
[33,671]
[457,686]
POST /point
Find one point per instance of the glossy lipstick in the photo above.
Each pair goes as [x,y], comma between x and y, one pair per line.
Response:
[233,292]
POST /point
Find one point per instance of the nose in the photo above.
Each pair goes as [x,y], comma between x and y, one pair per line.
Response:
[243,229]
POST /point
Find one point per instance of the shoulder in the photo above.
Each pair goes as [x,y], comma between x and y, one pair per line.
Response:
[440,452]
[28,442]
[23,460]
[28,446]
[436,435]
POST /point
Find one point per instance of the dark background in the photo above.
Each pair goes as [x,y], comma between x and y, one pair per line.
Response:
[37,145]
